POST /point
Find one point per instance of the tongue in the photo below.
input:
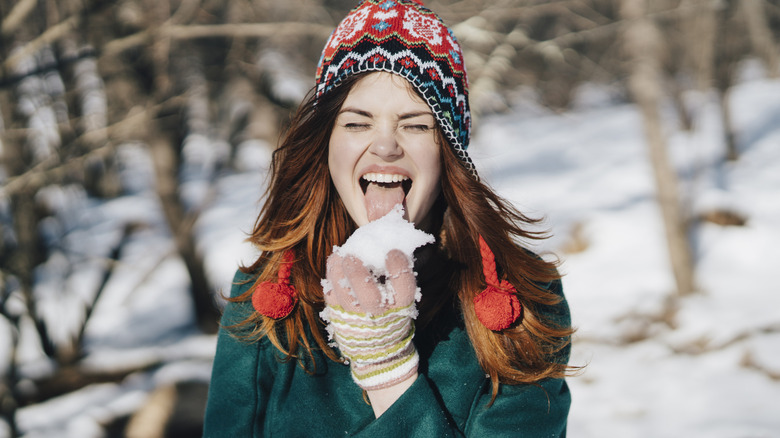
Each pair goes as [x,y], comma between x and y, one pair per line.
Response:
[380,199]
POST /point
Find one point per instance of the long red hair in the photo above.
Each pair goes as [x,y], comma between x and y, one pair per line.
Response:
[303,212]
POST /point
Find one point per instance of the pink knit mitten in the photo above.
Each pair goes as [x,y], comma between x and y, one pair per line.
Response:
[371,319]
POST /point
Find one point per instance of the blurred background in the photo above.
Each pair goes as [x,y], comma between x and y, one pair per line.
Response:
[135,137]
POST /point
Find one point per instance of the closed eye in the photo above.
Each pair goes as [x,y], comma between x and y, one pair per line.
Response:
[354,126]
[419,128]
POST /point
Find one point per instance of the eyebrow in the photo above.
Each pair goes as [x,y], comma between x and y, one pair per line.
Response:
[364,113]
[356,111]
[413,115]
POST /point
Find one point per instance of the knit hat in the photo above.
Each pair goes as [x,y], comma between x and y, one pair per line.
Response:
[405,38]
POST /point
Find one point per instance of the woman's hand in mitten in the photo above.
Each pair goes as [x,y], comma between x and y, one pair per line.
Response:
[372,320]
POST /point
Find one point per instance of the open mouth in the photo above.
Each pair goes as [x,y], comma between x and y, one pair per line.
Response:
[386,181]
[383,191]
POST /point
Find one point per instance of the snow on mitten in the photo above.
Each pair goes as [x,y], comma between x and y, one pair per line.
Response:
[371,320]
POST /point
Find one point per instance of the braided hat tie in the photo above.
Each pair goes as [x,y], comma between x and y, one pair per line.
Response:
[277,300]
[497,306]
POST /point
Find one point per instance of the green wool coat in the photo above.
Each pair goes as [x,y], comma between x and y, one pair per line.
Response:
[255,394]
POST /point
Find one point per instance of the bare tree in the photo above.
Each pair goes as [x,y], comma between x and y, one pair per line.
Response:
[643,45]
[730,48]
[761,39]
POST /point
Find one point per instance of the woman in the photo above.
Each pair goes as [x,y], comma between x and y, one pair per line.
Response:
[466,336]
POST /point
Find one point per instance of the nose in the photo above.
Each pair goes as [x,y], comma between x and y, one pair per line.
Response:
[385,145]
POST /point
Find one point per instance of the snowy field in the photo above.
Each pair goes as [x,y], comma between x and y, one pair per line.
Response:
[708,367]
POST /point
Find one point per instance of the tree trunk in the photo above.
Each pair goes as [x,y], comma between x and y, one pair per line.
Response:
[730,48]
[164,144]
[760,34]
[701,33]
[732,153]
[642,42]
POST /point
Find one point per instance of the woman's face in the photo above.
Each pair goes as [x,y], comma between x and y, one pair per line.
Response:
[383,150]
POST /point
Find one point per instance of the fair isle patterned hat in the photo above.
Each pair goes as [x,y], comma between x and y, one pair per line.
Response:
[405,38]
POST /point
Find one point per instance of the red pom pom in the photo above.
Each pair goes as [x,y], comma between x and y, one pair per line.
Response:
[498,308]
[274,300]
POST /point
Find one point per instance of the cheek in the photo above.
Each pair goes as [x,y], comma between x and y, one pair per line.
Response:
[338,160]
[425,198]
[333,150]
[342,161]
[432,189]
[428,162]
[344,150]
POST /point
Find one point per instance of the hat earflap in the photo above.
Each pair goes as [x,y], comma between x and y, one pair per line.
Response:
[497,306]
[277,300]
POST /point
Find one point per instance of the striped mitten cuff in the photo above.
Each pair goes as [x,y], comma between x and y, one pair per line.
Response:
[379,348]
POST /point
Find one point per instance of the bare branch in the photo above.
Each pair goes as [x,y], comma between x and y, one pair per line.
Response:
[51,35]
[242,30]
[612,27]
[760,34]
[90,307]
[185,12]
[17,15]
[42,173]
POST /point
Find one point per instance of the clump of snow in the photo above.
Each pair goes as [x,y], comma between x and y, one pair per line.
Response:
[371,242]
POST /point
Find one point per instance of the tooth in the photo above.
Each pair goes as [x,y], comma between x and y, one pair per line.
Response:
[384,177]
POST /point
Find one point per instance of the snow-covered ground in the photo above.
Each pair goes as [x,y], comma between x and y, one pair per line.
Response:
[706,365]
